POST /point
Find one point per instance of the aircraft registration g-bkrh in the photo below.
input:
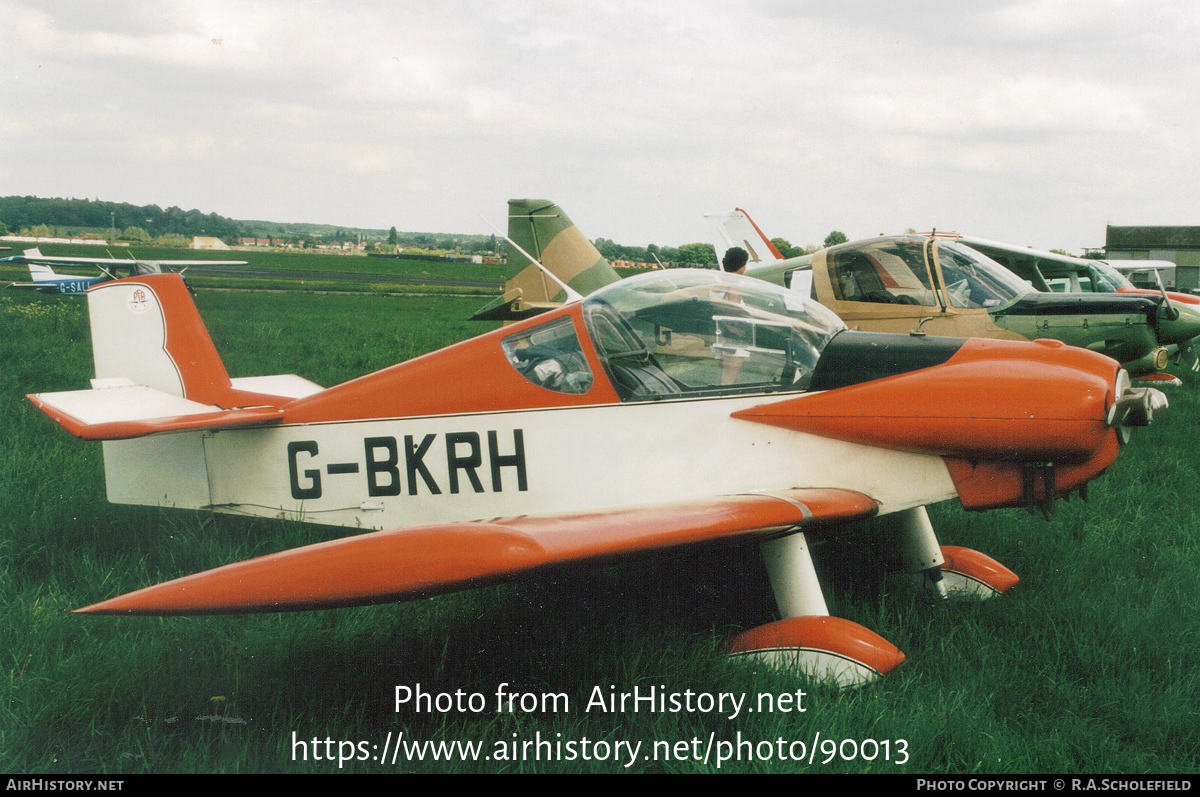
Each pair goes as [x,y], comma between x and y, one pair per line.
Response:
[748,413]
[895,283]
[45,280]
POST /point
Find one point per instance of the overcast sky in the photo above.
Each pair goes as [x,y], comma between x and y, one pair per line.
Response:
[1034,122]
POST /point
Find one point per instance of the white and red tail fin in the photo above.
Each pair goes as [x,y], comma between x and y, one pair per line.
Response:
[158,371]
[159,387]
[148,331]
[736,228]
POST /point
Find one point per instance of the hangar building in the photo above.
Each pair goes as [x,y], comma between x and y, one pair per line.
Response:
[1180,245]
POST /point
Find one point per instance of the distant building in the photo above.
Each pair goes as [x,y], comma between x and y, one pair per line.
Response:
[207,242]
[1180,245]
[50,240]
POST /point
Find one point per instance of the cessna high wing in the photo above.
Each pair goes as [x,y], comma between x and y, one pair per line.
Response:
[897,283]
[46,280]
[670,409]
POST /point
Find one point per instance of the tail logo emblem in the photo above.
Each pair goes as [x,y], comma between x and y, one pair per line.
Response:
[138,302]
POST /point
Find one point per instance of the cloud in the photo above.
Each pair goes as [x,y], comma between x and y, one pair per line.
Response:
[646,115]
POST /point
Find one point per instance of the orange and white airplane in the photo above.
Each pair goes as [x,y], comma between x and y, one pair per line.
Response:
[605,428]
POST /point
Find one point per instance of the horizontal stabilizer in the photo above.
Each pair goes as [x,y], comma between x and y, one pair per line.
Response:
[512,307]
[118,409]
[386,566]
[281,385]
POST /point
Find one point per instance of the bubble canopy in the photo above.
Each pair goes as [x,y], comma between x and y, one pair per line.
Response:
[694,332]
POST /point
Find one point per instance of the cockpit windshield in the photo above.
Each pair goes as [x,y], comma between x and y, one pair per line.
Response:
[975,280]
[896,270]
[882,271]
[691,332]
[1106,278]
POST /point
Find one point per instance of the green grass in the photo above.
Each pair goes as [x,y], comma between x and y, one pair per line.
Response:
[1091,664]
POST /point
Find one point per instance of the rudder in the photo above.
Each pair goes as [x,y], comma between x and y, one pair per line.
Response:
[149,331]
[541,228]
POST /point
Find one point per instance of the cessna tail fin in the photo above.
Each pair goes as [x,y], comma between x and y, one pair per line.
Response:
[541,228]
[41,273]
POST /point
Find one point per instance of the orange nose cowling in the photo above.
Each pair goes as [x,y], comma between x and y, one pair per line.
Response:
[993,409]
[995,485]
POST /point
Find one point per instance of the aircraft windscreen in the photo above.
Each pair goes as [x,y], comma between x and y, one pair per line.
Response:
[882,271]
[689,331]
[974,280]
[1107,278]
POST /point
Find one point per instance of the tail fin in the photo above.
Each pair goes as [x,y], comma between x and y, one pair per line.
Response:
[159,386]
[541,228]
[738,229]
[41,273]
[157,370]
[149,331]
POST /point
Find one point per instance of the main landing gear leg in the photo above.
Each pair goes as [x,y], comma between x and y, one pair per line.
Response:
[920,553]
[808,639]
[947,571]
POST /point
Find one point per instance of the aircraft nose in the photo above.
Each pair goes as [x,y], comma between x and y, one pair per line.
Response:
[1182,326]
[1134,406]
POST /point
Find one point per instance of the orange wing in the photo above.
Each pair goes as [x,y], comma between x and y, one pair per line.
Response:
[386,566]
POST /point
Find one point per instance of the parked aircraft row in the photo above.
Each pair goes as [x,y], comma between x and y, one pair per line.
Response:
[46,280]
[972,287]
[749,411]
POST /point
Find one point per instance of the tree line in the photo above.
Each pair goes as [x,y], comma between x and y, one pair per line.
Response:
[699,253]
[174,226]
[82,215]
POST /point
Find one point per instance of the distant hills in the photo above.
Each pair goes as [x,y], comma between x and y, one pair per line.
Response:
[261,229]
[151,222]
[175,227]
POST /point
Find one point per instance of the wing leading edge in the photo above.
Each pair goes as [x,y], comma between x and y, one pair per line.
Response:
[386,566]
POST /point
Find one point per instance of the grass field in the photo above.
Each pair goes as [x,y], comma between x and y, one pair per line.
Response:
[1091,664]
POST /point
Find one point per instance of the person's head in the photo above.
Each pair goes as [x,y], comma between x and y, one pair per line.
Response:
[735,259]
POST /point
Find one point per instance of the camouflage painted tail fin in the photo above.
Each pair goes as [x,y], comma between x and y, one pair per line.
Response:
[541,228]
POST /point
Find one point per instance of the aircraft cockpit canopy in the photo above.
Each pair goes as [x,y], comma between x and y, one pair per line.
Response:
[903,270]
[975,280]
[143,267]
[692,332]
[1106,279]
[131,268]
[1094,277]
